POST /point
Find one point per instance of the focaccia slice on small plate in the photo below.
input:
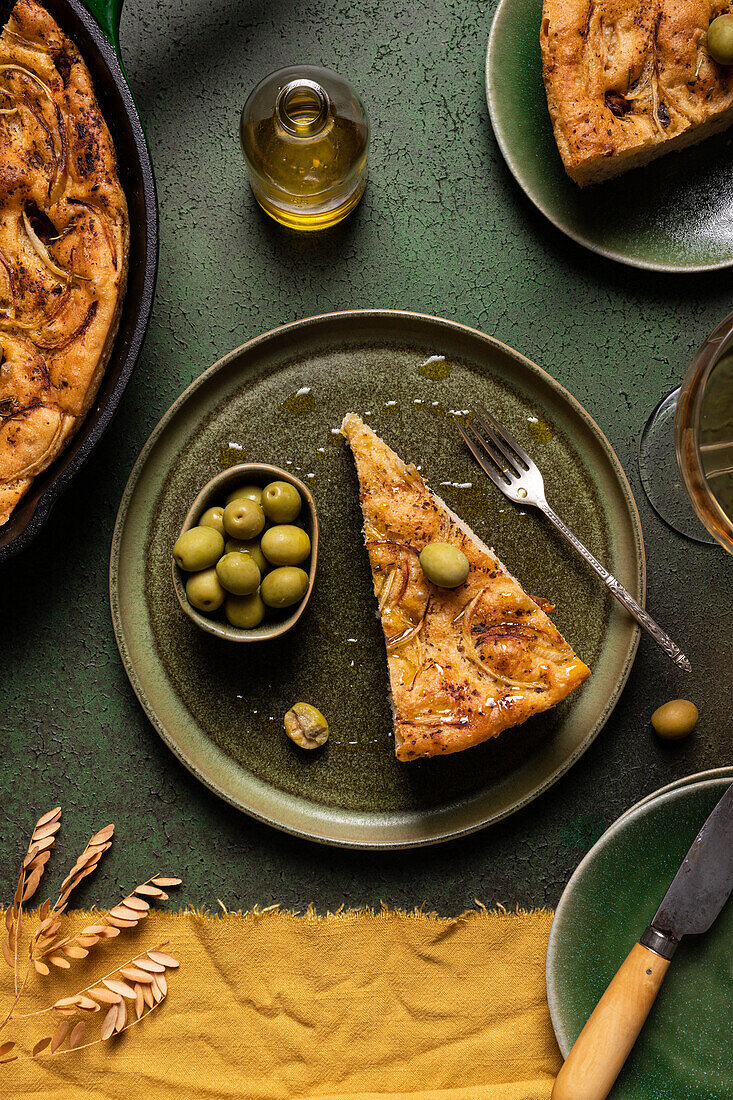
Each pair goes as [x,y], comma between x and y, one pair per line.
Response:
[464,663]
[629,80]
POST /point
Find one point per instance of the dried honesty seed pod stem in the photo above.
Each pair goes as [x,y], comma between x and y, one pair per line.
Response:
[127,914]
[37,856]
[147,991]
[109,1028]
[141,979]
[87,862]
[132,960]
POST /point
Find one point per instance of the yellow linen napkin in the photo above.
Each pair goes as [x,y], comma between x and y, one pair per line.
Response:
[274,1006]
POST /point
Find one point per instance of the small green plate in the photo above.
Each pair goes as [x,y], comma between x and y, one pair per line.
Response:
[686,1047]
[675,214]
[281,399]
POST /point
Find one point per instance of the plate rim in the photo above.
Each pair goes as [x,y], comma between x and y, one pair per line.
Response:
[709,778]
[549,213]
[137,470]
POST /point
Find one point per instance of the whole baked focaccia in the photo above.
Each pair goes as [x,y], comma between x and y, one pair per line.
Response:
[464,663]
[64,243]
[629,80]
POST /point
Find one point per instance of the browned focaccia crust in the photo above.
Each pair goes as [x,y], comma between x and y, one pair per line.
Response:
[464,663]
[64,241]
[629,80]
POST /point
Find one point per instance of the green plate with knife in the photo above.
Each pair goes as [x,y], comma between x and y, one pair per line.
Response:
[685,1050]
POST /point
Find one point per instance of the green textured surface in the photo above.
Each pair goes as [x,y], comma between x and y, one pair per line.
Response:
[685,1047]
[283,398]
[442,229]
[673,215]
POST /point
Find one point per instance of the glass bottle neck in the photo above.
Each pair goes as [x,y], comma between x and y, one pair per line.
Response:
[302,108]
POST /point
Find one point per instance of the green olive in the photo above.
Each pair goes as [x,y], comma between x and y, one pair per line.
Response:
[238,573]
[281,502]
[720,39]
[213,517]
[198,548]
[245,492]
[245,611]
[243,519]
[675,719]
[204,591]
[285,544]
[251,547]
[444,564]
[306,726]
[284,587]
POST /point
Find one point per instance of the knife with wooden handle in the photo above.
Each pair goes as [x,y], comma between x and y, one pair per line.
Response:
[698,892]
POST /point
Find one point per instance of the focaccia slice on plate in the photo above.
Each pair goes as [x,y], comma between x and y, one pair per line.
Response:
[629,80]
[464,663]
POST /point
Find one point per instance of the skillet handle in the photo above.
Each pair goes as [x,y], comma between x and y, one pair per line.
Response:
[107,13]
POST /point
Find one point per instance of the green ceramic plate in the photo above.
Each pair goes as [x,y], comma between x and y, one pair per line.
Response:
[280,399]
[673,215]
[684,781]
[686,1047]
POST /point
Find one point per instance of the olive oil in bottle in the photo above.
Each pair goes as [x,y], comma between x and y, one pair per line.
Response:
[305,138]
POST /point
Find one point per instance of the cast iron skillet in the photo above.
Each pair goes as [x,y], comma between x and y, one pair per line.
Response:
[97,38]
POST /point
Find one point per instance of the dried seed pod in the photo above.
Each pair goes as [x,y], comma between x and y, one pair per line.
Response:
[162,957]
[52,815]
[136,903]
[122,912]
[87,941]
[103,835]
[148,964]
[108,1023]
[151,891]
[106,996]
[77,1034]
[59,1035]
[134,975]
[119,987]
[74,952]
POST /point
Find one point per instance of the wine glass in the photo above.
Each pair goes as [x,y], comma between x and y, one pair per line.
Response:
[686,448]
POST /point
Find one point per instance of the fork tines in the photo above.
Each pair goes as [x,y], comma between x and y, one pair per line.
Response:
[495,450]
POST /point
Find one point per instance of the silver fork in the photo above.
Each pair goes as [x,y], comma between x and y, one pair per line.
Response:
[513,471]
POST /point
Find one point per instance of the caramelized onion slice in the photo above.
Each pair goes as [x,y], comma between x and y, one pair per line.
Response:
[403,594]
[524,632]
[40,249]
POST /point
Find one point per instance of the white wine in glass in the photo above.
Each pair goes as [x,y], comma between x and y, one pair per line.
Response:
[704,438]
[686,447]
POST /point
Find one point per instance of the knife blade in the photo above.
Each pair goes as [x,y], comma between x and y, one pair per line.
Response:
[694,899]
[703,883]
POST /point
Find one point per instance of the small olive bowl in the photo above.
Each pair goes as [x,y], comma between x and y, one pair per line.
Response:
[215,492]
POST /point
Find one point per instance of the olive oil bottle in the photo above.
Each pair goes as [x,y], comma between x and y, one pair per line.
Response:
[305,138]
